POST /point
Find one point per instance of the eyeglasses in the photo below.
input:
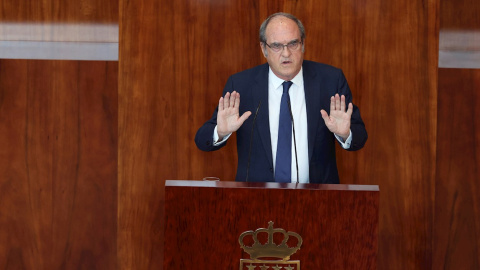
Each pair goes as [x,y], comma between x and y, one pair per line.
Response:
[277,47]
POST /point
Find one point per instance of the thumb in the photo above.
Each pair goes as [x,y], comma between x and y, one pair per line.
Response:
[324,115]
[350,109]
[245,116]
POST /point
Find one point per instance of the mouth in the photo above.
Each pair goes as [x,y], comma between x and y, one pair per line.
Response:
[286,62]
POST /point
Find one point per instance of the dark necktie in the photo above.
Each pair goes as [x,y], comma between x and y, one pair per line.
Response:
[283,163]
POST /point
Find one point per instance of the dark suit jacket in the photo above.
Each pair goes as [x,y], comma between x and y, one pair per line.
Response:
[320,83]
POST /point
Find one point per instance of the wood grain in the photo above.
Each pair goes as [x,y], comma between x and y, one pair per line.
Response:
[460,14]
[392,71]
[58,153]
[456,243]
[175,57]
[86,11]
[172,71]
[457,200]
[338,224]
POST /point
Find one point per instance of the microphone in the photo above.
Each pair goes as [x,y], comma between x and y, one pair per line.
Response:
[294,140]
[251,140]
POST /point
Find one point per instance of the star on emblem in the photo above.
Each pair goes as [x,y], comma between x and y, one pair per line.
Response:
[251,267]
[264,267]
[289,268]
[277,267]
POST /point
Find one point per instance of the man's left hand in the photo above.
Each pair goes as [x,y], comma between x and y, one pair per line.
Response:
[338,121]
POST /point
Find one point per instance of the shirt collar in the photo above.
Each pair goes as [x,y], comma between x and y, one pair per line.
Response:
[277,82]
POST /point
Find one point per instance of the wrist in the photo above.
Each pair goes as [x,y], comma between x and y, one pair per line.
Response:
[221,135]
[343,136]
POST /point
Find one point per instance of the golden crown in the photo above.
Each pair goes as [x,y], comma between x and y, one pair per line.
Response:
[270,249]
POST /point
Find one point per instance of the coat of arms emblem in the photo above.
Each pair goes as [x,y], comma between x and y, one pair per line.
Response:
[269,255]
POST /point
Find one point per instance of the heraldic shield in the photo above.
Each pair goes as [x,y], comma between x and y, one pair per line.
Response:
[269,255]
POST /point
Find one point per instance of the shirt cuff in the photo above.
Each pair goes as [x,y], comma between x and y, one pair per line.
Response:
[215,138]
[345,144]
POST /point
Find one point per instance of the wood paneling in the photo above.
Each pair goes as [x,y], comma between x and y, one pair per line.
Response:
[389,55]
[460,14]
[203,233]
[174,60]
[58,164]
[456,229]
[175,57]
[457,198]
[81,11]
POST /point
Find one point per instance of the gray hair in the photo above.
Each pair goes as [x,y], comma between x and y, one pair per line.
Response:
[265,23]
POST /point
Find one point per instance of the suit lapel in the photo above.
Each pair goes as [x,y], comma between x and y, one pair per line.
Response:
[312,99]
[260,94]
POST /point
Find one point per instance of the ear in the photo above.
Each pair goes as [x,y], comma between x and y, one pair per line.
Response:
[264,49]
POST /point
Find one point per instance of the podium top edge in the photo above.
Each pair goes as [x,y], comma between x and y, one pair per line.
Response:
[269,185]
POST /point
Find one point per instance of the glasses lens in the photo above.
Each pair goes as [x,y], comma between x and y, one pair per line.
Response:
[293,45]
[276,47]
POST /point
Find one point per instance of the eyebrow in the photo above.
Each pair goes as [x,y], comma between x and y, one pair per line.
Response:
[293,40]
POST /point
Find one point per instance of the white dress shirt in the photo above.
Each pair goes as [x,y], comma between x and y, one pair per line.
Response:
[299,112]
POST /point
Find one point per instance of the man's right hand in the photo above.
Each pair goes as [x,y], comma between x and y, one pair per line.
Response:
[228,117]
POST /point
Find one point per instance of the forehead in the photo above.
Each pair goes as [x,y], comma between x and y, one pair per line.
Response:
[282,29]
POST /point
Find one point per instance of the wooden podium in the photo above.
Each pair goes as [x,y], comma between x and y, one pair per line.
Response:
[204,219]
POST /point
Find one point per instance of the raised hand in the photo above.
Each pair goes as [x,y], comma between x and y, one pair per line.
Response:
[228,116]
[338,121]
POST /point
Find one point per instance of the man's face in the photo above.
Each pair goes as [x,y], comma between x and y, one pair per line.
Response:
[286,63]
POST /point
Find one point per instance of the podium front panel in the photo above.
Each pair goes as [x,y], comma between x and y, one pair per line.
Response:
[204,219]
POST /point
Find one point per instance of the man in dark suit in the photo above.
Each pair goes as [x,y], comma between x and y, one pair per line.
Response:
[307,100]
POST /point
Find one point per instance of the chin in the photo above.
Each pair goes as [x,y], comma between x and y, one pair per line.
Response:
[289,75]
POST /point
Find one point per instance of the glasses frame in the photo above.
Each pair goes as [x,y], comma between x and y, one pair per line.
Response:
[295,43]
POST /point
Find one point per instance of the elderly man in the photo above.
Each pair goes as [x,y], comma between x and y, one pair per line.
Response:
[301,108]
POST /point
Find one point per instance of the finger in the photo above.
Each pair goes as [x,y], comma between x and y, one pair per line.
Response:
[237,100]
[233,96]
[220,104]
[350,109]
[226,100]
[332,104]
[337,102]
[342,103]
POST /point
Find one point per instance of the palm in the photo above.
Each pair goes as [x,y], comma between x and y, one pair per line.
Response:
[338,121]
[228,116]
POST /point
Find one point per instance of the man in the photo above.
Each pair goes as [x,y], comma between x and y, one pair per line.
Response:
[290,97]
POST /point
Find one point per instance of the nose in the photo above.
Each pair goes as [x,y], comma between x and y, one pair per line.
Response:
[285,51]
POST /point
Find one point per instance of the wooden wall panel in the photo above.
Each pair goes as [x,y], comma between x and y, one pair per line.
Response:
[205,57]
[457,198]
[175,58]
[456,229]
[81,11]
[460,14]
[58,164]
[389,55]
